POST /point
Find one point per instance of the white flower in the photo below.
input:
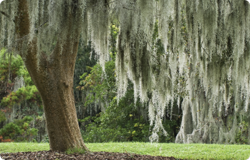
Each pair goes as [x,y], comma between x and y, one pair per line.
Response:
[249,157]
[1,158]
[1,2]
[248,1]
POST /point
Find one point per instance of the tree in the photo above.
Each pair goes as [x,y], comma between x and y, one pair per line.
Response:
[202,59]
[53,72]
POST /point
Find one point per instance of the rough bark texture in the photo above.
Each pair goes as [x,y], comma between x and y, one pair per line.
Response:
[53,77]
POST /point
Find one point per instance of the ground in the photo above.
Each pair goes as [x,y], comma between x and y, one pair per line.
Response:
[53,155]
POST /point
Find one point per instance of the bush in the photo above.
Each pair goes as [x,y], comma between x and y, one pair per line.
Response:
[2,116]
[96,132]
[10,130]
[19,130]
[123,122]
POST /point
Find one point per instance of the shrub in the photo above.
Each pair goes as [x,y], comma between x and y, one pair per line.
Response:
[10,130]
[2,116]
[19,130]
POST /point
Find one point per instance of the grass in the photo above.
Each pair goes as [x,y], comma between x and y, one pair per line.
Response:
[183,151]
[75,150]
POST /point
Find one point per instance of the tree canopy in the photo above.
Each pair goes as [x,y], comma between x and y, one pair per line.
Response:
[193,50]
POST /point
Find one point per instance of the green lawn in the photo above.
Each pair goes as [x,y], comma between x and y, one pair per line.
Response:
[184,151]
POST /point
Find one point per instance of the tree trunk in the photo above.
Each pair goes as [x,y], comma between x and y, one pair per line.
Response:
[53,77]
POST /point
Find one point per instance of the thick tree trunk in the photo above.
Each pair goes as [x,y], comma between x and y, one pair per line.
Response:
[53,76]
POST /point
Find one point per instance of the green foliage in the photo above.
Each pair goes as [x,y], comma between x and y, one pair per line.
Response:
[34,140]
[75,150]
[19,130]
[10,130]
[2,116]
[103,88]
[24,93]
[25,74]
[99,131]
[121,121]
[114,30]
[120,126]
[9,66]
[242,134]
[116,123]
[100,84]
[85,57]
[46,139]
[15,65]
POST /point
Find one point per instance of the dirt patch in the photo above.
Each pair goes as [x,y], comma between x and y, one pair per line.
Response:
[52,155]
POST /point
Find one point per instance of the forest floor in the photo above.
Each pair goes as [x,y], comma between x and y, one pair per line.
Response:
[53,155]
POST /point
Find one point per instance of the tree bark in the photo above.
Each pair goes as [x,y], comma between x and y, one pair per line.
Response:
[53,77]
